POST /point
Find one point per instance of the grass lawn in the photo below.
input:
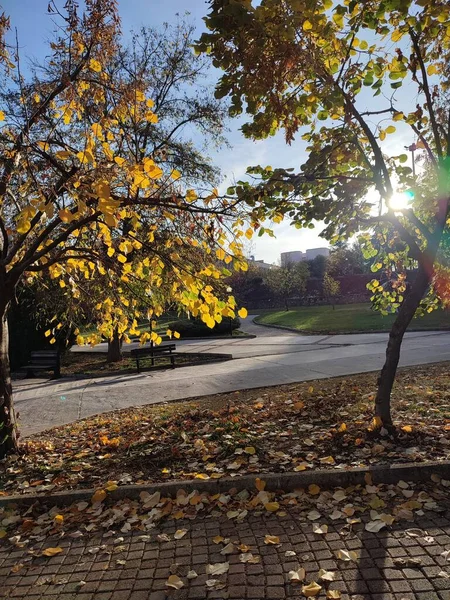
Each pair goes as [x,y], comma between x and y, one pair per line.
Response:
[294,427]
[347,318]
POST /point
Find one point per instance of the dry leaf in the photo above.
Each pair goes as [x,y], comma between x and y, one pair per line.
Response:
[271,539]
[52,551]
[260,484]
[228,549]
[290,553]
[313,515]
[191,575]
[180,533]
[311,590]
[217,568]
[174,582]
[217,539]
[297,576]
[320,529]
[314,489]
[326,575]
[346,555]
[333,594]
[375,526]
[98,496]
[272,506]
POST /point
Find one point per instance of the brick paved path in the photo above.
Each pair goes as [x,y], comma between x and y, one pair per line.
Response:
[133,569]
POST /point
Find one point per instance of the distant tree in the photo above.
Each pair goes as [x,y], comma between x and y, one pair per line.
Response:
[347,260]
[288,280]
[317,266]
[331,288]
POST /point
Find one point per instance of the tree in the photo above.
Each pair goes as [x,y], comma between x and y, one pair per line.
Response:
[81,193]
[288,280]
[315,66]
[317,266]
[347,260]
[173,77]
[331,288]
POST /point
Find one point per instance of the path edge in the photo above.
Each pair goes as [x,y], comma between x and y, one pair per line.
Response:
[327,478]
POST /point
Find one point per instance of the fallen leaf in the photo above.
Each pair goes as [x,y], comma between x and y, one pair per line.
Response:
[249,450]
[217,568]
[326,575]
[311,589]
[320,529]
[375,526]
[52,551]
[17,568]
[98,496]
[346,555]
[260,484]
[191,575]
[313,515]
[180,533]
[174,582]
[271,539]
[272,506]
[228,549]
[314,489]
[217,539]
[333,594]
[298,575]
[290,553]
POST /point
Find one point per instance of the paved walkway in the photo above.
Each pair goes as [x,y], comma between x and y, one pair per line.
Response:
[408,562]
[276,357]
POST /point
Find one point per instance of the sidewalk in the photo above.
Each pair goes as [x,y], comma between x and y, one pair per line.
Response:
[408,560]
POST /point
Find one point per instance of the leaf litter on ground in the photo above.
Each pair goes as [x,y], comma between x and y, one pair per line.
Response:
[293,427]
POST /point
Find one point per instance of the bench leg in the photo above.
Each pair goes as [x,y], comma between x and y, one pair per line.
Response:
[172,361]
[137,366]
[29,374]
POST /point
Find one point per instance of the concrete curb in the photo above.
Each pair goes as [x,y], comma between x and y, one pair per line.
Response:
[328,478]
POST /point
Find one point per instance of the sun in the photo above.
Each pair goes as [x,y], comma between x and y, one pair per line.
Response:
[400,201]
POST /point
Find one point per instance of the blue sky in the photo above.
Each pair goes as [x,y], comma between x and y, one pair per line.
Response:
[35,26]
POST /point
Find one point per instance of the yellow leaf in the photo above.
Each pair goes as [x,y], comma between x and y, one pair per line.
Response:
[249,233]
[307,25]
[382,135]
[271,539]
[260,484]
[327,460]
[407,428]
[191,196]
[333,594]
[249,450]
[176,335]
[48,333]
[220,253]
[111,485]
[390,129]
[2,115]
[376,423]
[271,506]
[311,589]
[201,476]
[98,496]
[432,70]
[95,65]
[243,313]
[110,251]
[174,582]
[53,341]
[52,551]
[175,174]
[314,489]
[2,533]
[58,519]
[301,467]
[342,428]
[119,160]
[63,154]
[399,116]
[396,35]
[65,215]
[121,258]
[310,389]
[218,539]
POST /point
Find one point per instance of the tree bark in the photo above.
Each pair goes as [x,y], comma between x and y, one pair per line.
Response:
[115,348]
[404,316]
[8,425]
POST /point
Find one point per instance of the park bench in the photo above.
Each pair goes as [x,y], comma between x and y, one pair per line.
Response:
[44,360]
[164,351]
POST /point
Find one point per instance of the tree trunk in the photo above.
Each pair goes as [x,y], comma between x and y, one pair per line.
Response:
[8,426]
[404,316]
[115,348]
